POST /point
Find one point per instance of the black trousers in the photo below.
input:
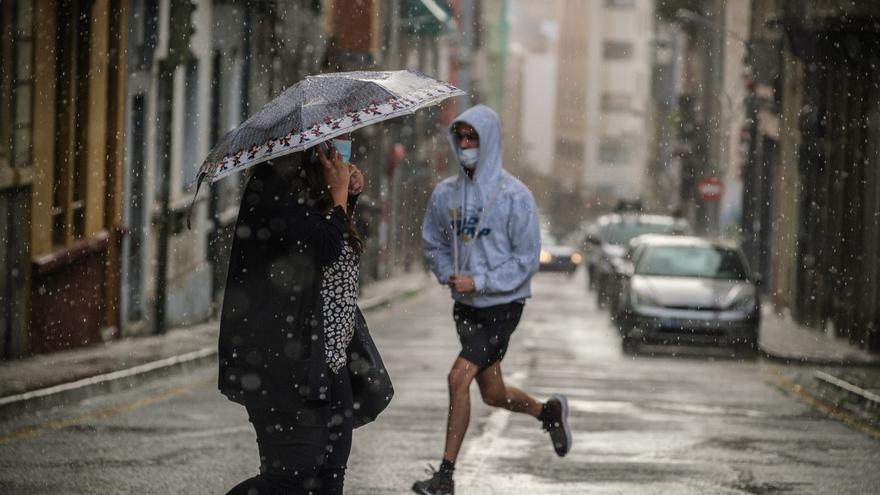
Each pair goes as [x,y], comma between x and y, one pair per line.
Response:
[297,459]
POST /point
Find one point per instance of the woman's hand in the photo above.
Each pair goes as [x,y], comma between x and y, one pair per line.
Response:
[356,182]
[337,174]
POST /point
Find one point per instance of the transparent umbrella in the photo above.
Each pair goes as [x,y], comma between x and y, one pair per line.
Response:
[319,108]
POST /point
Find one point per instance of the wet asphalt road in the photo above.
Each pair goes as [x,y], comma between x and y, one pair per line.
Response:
[676,421]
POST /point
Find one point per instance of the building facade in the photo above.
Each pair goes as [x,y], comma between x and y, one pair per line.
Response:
[813,163]
[619,84]
[60,173]
[16,171]
[102,134]
[198,69]
[602,100]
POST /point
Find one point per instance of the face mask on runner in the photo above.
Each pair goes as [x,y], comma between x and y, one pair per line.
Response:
[469,157]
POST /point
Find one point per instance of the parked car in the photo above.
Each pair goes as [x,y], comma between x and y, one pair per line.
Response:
[558,257]
[688,290]
[608,243]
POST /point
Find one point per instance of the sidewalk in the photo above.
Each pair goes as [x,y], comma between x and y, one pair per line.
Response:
[54,379]
[784,340]
[837,377]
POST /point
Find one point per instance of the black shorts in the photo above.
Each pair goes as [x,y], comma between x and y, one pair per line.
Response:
[485,332]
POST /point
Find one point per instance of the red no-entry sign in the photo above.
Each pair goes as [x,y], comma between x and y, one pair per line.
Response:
[710,189]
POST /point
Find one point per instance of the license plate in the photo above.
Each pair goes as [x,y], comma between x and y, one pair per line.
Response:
[671,322]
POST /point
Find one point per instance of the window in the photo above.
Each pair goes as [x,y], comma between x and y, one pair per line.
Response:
[16,85]
[620,4]
[191,120]
[692,262]
[569,150]
[617,50]
[144,30]
[614,151]
[137,202]
[6,70]
[229,102]
[616,102]
[73,40]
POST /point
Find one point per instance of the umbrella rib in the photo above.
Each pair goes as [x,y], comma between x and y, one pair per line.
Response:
[394,93]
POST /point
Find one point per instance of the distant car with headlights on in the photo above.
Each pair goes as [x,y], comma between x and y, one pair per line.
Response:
[558,257]
[687,290]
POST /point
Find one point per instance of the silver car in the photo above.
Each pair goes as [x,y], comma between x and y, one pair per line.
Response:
[687,290]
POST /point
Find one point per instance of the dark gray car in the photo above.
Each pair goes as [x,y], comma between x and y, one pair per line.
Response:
[688,290]
[607,242]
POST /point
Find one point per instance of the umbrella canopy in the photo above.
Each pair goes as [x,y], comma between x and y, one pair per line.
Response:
[319,108]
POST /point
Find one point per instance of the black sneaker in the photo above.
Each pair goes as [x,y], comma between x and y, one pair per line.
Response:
[438,484]
[555,419]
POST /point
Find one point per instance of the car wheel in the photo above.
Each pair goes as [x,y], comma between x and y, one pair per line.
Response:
[622,321]
[614,302]
[748,346]
[629,345]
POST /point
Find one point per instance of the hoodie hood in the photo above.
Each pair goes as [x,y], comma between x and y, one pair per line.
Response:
[485,121]
[487,227]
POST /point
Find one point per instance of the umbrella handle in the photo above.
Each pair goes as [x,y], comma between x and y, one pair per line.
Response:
[455,241]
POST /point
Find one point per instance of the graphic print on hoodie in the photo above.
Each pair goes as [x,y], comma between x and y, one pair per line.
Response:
[466,223]
[504,257]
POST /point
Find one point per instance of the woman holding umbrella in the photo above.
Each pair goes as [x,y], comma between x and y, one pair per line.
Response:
[292,283]
[288,316]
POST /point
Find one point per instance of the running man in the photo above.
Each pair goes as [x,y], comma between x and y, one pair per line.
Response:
[482,239]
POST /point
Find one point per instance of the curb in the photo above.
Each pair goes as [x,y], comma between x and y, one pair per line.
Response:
[115,381]
[858,393]
[795,360]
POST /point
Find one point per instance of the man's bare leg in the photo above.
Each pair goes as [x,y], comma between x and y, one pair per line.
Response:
[497,394]
[460,377]
[553,413]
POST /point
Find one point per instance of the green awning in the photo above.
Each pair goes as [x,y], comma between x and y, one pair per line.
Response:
[426,17]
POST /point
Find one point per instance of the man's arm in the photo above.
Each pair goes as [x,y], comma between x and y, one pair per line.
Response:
[437,239]
[525,235]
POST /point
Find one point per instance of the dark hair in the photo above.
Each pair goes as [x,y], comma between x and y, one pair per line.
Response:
[319,196]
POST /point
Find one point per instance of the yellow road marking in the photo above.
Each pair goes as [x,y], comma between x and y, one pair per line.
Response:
[825,406]
[101,413]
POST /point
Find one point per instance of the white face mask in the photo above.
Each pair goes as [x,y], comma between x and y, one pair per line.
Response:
[469,157]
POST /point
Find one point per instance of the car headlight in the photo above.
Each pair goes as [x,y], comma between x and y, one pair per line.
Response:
[546,257]
[576,258]
[642,299]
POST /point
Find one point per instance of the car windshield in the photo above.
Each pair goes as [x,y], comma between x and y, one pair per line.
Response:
[621,233]
[691,261]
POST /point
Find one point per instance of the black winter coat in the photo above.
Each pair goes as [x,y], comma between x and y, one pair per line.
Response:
[271,346]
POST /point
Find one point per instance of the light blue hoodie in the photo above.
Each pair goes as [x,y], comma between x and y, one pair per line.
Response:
[505,255]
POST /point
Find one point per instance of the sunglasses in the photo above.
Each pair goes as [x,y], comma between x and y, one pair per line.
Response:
[470,136]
